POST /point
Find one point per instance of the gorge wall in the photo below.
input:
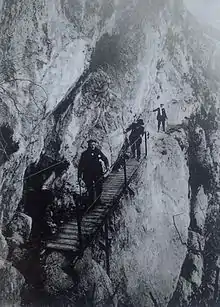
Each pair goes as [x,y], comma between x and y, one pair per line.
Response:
[71,70]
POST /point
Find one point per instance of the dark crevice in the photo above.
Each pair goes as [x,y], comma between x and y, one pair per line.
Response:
[201,175]
[36,201]
[7,145]
[69,99]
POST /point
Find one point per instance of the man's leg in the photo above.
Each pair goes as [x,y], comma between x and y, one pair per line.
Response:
[158,125]
[138,146]
[90,188]
[163,124]
[133,148]
[98,189]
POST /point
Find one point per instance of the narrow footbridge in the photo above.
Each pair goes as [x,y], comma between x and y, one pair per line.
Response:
[78,234]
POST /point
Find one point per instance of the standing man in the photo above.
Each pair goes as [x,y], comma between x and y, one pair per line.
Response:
[161,116]
[135,138]
[90,169]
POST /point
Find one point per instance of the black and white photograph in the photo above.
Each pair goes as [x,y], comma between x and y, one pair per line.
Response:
[109,153]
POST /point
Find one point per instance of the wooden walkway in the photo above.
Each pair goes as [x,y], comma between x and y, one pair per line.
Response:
[92,221]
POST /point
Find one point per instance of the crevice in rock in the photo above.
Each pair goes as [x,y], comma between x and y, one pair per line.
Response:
[195,283]
[37,201]
[70,97]
[7,144]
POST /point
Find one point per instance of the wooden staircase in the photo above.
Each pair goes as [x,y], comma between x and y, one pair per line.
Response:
[114,186]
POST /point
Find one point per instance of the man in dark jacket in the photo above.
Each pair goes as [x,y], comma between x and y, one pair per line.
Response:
[135,138]
[91,171]
[161,116]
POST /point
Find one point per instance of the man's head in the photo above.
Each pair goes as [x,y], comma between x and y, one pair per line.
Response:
[140,121]
[92,143]
[161,105]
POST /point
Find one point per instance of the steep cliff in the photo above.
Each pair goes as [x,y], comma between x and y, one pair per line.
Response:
[76,69]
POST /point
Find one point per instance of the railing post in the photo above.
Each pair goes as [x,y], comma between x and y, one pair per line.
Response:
[107,247]
[78,217]
[94,191]
[125,172]
[145,142]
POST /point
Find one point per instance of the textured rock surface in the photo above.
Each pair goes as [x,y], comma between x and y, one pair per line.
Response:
[56,280]
[71,70]
[94,283]
[3,247]
[19,229]
[11,284]
[154,223]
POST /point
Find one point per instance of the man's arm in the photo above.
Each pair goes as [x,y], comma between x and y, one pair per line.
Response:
[129,128]
[165,113]
[155,110]
[105,159]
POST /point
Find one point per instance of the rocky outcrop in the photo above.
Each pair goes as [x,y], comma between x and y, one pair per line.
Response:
[150,245]
[56,279]
[84,283]
[19,229]
[20,225]
[11,284]
[197,280]
[3,247]
[94,283]
[71,70]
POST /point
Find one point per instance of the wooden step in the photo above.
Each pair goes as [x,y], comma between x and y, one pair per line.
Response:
[89,224]
[109,194]
[112,190]
[64,247]
[69,227]
[88,231]
[69,231]
[97,215]
[91,218]
[71,236]
[69,241]
[73,223]
[117,175]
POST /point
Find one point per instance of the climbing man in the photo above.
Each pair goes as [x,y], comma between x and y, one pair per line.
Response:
[90,170]
[135,138]
[161,117]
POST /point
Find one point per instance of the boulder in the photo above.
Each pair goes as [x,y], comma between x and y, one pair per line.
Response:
[94,282]
[196,242]
[196,275]
[19,229]
[11,284]
[199,208]
[183,294]
[3,247]
[55,278]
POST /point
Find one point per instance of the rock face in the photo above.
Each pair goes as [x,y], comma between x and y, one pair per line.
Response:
[86,283]
[72,70]
[94,283]
[19,229]
[10,285]
[56,280]
[152,225]
[198,282]
[3,247]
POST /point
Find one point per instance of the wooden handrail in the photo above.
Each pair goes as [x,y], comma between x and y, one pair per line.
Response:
[79,218]
[125,171]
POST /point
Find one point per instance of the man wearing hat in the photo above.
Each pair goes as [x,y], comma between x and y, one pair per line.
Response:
[161,117]
[135,138]
[90,169]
